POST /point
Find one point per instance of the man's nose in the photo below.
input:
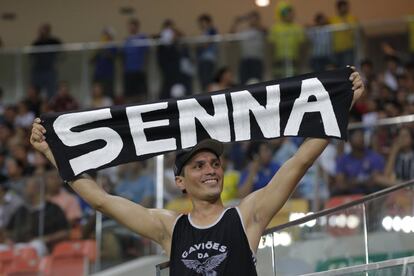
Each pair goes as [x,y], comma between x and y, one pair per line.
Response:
[210,169]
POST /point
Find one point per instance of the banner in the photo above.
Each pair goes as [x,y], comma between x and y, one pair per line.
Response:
[311,105]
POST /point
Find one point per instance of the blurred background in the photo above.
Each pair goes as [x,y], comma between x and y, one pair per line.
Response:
[65,55]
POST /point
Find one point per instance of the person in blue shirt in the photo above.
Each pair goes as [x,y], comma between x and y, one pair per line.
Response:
[104,63]
[206,52]
[134,52]
[260,170]
[361,170]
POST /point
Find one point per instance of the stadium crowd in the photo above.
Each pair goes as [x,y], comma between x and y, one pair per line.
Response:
[36,208]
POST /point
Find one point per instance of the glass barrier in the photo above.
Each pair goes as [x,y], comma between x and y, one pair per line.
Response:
[136,182]
[369,230]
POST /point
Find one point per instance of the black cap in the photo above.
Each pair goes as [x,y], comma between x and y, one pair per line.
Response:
[184,155]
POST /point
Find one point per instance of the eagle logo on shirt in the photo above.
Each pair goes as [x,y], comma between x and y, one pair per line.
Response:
[206,268]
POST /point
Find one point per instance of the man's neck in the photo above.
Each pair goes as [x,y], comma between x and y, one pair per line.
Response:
[205,213]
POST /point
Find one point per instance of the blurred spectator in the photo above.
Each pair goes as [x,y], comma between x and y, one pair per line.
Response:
[98,97]
[231,179]
[14,171]
[58,195]
[169,54]
[25,116]
[10,113]
[321,40]
[312,180]
[170,189]
[3,170]
[223,80]
[135,78]
[104,62]
[252,46]
[360,171]
[9,203]
[400,163]
[19,152]
[135,184]
[411,36]
[344,37]
[34,100]
[40,224]
[44,74]
[260,171]
[391,73]
[1,103]
[63,101]
[6,132]
[40,163]
[367,72]
[287,39]
[207,53]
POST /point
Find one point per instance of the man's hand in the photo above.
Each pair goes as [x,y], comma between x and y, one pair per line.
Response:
[357,85]
[38,139]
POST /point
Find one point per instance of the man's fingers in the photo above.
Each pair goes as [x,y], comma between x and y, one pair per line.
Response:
[38,133]
[39,127]
[36,137]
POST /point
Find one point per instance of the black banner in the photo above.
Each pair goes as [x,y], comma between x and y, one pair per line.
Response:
[311,105]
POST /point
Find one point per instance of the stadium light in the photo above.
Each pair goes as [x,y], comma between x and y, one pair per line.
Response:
[262,3]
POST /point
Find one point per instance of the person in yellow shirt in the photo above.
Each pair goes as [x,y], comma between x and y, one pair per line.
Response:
[287,38]
[343,34]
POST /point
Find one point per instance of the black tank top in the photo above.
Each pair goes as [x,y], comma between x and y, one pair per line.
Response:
[221,249]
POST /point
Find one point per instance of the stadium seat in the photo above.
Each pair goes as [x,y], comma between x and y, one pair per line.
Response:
[343,230]
[73,258]
[24,263]
[6,258]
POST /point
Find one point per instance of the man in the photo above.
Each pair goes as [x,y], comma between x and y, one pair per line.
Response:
[252,46]
[361,170]
[207,52]
[44,74]
[39,224]
[135,78]
[211,239]
[343,39]
[58,195]
[260,170]
[287,38]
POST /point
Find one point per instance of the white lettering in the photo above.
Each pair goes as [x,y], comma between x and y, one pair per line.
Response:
[137,125]
[94,159]
[323,105]
[267,117]
[217,126]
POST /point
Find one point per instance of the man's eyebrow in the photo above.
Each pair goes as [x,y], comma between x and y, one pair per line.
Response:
[199,162]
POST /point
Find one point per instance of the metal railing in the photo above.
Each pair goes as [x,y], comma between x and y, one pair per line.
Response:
[162,269]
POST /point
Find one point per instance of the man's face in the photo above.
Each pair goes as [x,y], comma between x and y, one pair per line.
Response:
[357,140]
[202,176]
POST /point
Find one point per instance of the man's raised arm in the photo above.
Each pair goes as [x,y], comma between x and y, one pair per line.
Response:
[154,224]
[259,207]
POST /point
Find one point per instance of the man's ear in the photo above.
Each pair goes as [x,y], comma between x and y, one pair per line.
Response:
[179,181]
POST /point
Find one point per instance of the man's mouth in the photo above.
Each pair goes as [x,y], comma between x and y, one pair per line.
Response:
[210,181]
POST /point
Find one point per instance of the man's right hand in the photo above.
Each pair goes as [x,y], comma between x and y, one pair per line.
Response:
[37,138]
